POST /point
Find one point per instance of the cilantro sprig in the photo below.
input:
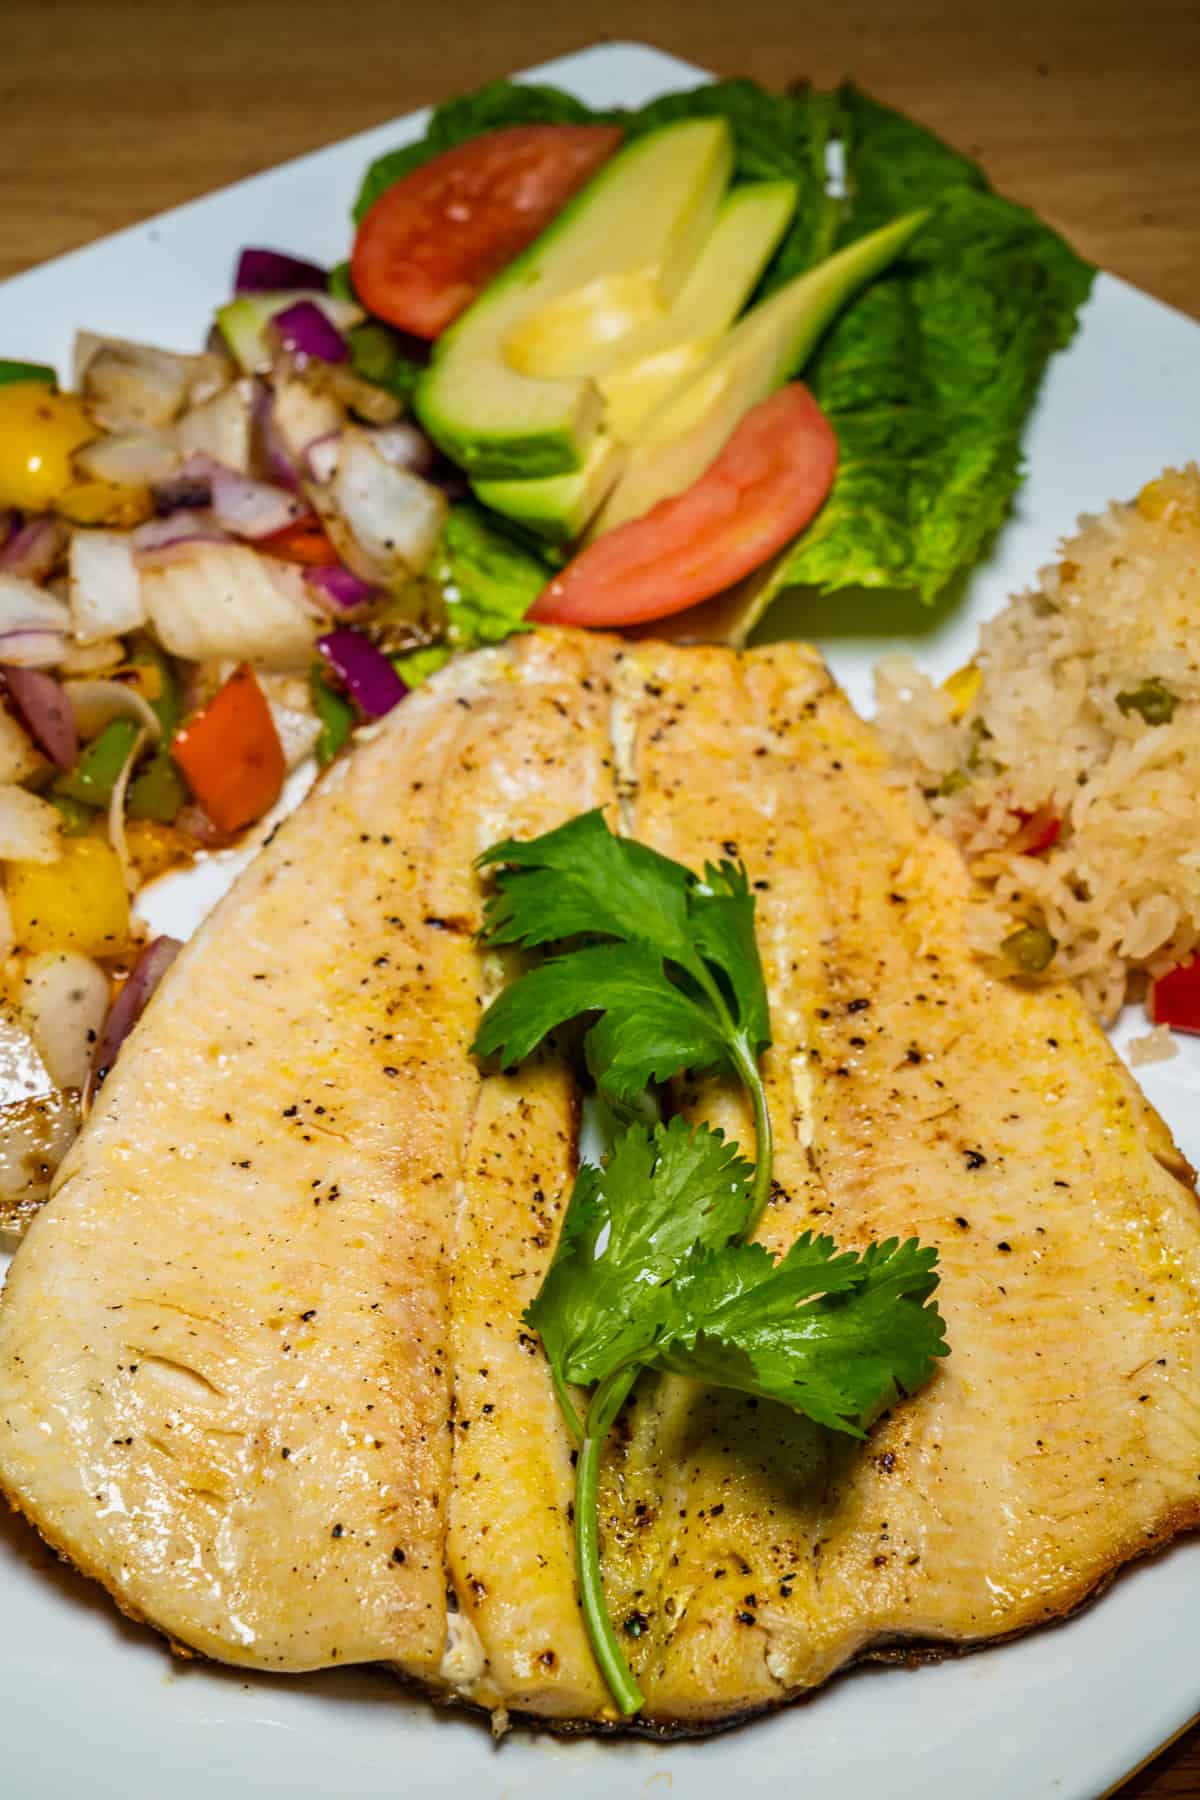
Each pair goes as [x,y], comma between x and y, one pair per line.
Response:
[652,1268]
[666,959]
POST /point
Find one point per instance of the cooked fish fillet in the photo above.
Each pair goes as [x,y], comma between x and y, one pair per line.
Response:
[262,1366]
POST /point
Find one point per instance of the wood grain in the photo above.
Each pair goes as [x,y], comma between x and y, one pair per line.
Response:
[111,111]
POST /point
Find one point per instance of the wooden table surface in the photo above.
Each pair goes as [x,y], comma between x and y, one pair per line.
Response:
[115,109]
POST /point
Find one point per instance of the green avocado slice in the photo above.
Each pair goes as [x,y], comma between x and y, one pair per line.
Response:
[765,348]
[636,374]
[508,393]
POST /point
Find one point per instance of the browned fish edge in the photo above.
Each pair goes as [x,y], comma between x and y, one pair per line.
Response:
[894,1650]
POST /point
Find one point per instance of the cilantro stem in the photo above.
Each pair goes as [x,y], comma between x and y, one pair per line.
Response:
[746,1064]
[607,1402]
[760,1193]
[566,1404]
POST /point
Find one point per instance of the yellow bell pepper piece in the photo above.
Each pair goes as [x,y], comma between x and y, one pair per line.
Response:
[104,503]
[40,431]
[155,848]
[962,689]
[76,903]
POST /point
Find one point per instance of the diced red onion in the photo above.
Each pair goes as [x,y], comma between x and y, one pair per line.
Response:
[33,646]
[252,509]
[166,540]
[34,549]
[46,712]
[262,271]
[364,671]
[9,524]
[305,331]
[152,964]
[273,453]
[339,588]
[322,456]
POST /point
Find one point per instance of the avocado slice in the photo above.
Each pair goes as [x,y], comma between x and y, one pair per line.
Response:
[771,343]
[508,393]
[558,507]
[636,374]
[747,232]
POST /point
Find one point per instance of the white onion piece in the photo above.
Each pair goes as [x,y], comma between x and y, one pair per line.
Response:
[251,509]
[228,601]
[30,828]
[19,755]
[322,457]
[302,414]
[125,381]
[85,660]
[33,624]
[97,703]
[25,606]
[298,733]
[116,814]
[394,516]
[130,458]
[64,1003]
[221,428]
[106,590]
[405,446]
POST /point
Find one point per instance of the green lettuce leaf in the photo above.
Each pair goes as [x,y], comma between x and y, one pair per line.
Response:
[929,376]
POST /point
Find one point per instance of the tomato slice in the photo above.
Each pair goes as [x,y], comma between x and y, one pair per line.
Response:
[1175,997]
[764,487]
[303,542]
[434,239]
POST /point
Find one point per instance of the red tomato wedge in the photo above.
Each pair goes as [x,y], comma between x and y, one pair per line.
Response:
[303,542]
[764,487]
[434,239]
[1175,997]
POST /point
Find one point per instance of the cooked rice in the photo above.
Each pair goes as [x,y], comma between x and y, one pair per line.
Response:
[1031,735]
[1155,1047]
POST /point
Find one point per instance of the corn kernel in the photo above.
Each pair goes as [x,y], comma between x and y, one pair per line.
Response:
[76,903]
[962,689]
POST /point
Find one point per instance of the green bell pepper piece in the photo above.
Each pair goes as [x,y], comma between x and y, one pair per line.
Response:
[168,708]
[94,776]
[76,818]
[12,372]
[158,792]
[335,713]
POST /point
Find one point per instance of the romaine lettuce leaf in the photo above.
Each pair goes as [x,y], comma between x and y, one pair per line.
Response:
[928,377]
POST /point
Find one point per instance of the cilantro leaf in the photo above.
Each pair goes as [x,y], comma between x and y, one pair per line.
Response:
[721,915]
[649,1029]
[680,988]
[628,1227]
[583,878]
[833,1335]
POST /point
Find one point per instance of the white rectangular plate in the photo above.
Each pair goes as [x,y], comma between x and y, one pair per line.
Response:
[94,1706]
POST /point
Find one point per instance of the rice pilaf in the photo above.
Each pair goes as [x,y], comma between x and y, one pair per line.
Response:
[1065,758]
